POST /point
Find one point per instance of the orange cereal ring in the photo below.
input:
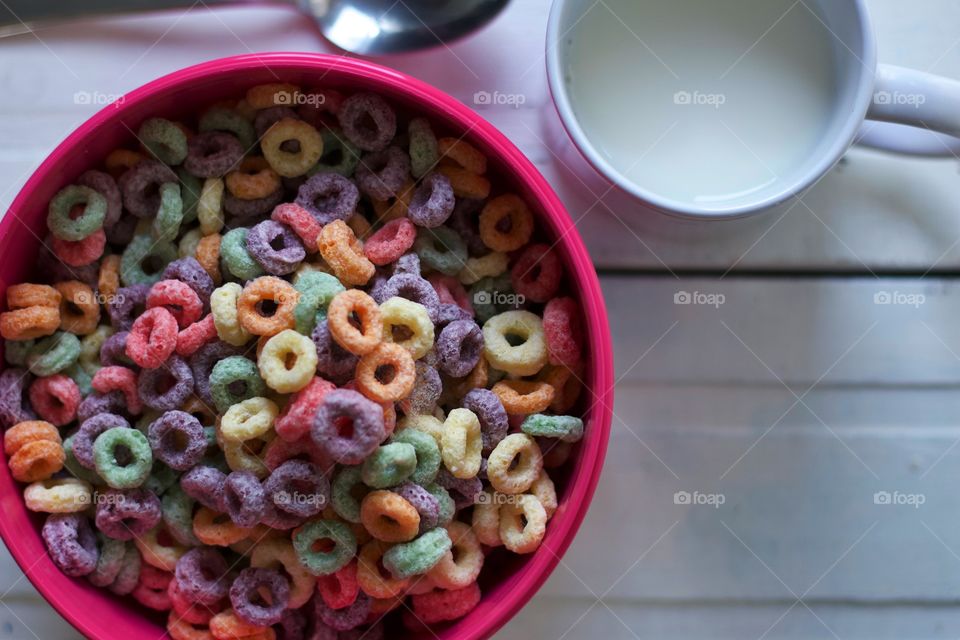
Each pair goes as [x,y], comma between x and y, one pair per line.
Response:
[119,160]
[21,296]
[37,460]
[375,582]
[265,306]
[208,255]
[28,431]
[343,309]
[360,226]
[524,396]
[264,96]
[463,153]
[566,384]
[79,308]
[180,629]
[217,529]
[466,184]
[253,179]
[109,279]
[27,324]
[507,212]
[227,626]
[476,379]
[342,250]
[387,373]
[389,517]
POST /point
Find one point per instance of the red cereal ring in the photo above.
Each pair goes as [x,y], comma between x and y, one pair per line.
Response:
[153,338]
[55,399]
[116,378]
[155,598]
[178,298]
[440,606]
[295,420]
[340,589]
[563,331]
[451,291]
[279,451]
[196,335]
[301,221]
[389,243]
[80,253]
[536,274]
[188,611]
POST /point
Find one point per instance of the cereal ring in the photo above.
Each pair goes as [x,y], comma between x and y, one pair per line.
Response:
[168,386]
[414,288]
[105,185]
[298,487]
[124,515]
[289,164]
[464,491]
[389,465]
[324,546]
[190,188]
[227,626]
[466,184]
[342,309]
[441,249]
[295,419]
[233,380]
[164,139]
[55,399]
[424,152]
[374,582]
[189,271]
[288,361]
[342,250]
[396,206]
[390,242]
[367,121]
[522,524]
[109,563]
[265,306]
[461,444]
[122,457]
[525,359]
[423,501]
[536,273]
[217,529]
[524,396]
[486,405]
[426,452]
[140,186]
[459,347]
[427,388]
[90,429]
[460,566]
[248,420]
[389,517]
[316,289]
[195,336]
[71,543]
[60,495]
[231,121]
[178,298]
[564,428]
[223,306]
[205,485]
[264,96]
[514,464]
[403,316]
[463,153]
[79,309]
[210,206]
[202,576]
[260,596]
[177,512]
[262,243]
[36,460]
[53,354]
[144,259]
[328,197]
[346,493]
[340,589]
[506,223]
[418,556]
[386,374]
[447,505]
[244,499]
[253,179]
[365,417]
[80,253]
[382,174]
[491,265]
[443,605]
[339,154]
[166,224]
[235,256]
[301,222]
[280,554]
[123,308]
[432,203]
[93,210]
[213,154]
[177,440]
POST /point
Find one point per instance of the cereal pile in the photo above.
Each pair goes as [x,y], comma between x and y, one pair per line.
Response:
[297,365]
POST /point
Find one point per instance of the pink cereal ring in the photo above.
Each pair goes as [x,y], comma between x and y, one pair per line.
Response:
[153,338]
[178,298]
[116,378]
[55,399]
[451,291]
[440,606]
[536,274]
[195,336]
[297,416]
[81,252]
[563,331]
[191,612]
[389,243]
[279,451]
[301,221]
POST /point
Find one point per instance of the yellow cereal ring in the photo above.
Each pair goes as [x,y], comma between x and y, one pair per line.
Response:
[523,522]
[223,305]
[514,464]
[519,228]
[461,444]
[486,519]
[546,493]
[187,247]
[217,529]
[525,359]
[156,553]
[461,565]
[426,423]
[58,495]
[210,206]
[288,361]
[278,553]
[489,266]
[248,420]
[399,314]
[286,163]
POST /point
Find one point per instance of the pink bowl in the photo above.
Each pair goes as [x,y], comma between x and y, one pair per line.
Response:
[508,581]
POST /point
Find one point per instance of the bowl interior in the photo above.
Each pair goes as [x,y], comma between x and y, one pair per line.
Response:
[508,581]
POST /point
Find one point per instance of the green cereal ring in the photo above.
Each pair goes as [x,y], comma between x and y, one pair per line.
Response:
[484,294]
[129,576]
[76,469]
[346,491]
[316,290]
[177,509]
[419,555]
[236,258]
[427,452]
[162,478]
[234,380]
[339,156]
[190,188]
[424,152]
[79,375]
[566,428]
[389,465]
[109,561]
[210,433]
[223,119]
[122,457]
[448,507]
[15,351]
[67,228]
[441,249]
[144,260]
[164,139]
[53,354]
[323,563]
[166,226]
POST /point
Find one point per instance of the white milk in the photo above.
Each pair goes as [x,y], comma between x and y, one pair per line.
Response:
[702,100]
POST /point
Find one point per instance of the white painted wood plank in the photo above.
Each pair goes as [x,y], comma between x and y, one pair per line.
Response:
[31,619]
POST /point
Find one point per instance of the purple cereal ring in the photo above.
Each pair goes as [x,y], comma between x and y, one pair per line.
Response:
[243,498]
[423,501]
[293,625]
[213,154]
[12,384]
[494,424]
[89,430]
[123,231]
[189,271]
[432,202]
[140,186]
[113,352]
[97,403]
[465,220]
[382,174]
[205,485]
[367,121]
[275,247]
[124,306]
[464,491]
[450,312]
[55,270]
[202,363]
[343,619]
[168,386]
[427,387]
[411,287]
[266,118]
[202,575]
[365,418]
[328,197]
[459,347]
[280,520]
[248,599]
[333,361]
[298,487]
[407,263]
[71,542]
[124,515]
[104,184]
[244,211]
[177,439]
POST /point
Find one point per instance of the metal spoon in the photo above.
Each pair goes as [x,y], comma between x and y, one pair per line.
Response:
[366,27]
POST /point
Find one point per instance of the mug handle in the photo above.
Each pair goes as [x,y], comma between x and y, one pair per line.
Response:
[927,103]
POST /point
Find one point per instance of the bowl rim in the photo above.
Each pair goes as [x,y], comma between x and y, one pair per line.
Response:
[599,343]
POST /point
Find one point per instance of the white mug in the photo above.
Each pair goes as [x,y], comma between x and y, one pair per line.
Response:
[723,108]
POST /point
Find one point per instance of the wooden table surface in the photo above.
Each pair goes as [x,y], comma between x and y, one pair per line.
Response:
[789,414]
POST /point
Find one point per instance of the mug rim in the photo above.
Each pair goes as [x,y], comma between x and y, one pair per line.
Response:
[860,103]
